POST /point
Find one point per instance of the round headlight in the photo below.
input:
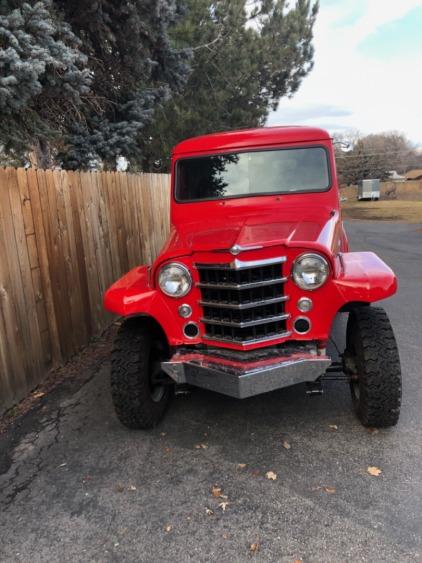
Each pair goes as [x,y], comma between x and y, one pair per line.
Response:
[310,271]
[175,280]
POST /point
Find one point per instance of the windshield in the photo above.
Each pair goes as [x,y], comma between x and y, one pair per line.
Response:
[252,173]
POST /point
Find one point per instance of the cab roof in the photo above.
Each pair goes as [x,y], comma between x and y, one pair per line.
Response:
[249,138]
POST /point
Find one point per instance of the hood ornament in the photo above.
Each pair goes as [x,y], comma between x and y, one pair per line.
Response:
[237,248]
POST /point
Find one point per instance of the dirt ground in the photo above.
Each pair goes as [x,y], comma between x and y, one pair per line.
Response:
[67,378]
[386,210]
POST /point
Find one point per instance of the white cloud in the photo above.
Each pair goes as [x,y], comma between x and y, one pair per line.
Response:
[379,13]
[369,94]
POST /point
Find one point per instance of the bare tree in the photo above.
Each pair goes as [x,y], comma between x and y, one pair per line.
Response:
[374,156]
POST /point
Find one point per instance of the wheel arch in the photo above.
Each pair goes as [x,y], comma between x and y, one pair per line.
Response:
[351,305]
[151,322]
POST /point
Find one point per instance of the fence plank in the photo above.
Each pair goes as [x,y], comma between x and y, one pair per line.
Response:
[20,270]
[112,224]
[73,262]
[73,203]
[120,220]
[103,229]
[34,190]
[146,212]
[93,266]
[58,254]
[12,369]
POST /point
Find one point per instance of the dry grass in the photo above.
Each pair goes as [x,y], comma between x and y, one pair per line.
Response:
[384,210]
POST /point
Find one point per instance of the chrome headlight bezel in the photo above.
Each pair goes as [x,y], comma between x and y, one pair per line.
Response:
[297,273]
[184,274]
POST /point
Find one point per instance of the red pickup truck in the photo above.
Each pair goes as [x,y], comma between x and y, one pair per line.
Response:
[242,298]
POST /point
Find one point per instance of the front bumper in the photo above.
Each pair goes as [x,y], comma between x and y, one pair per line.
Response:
[245,374]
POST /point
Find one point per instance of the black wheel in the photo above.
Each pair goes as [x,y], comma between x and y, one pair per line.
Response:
[140,390]
[372,359]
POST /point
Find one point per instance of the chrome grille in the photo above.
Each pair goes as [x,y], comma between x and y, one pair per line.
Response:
[243,302]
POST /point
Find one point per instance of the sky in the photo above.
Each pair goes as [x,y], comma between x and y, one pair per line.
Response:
[368,70]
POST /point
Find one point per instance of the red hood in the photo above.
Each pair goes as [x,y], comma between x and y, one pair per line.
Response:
[264,234]
[317,231]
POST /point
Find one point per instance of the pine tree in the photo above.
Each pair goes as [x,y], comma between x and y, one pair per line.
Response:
[244,62]
[43,76]
[80,80]
[135,69]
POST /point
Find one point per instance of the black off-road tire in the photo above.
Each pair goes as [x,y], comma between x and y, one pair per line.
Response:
[372,353]
[137,351]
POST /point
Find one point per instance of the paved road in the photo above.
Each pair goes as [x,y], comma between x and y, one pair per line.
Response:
[77,486]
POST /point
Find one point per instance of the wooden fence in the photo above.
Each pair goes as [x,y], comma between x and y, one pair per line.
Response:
[64,238]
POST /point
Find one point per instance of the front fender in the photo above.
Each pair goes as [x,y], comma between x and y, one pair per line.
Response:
[365,277]
[133,295]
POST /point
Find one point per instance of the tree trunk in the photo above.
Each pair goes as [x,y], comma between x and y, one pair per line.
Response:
[41,156]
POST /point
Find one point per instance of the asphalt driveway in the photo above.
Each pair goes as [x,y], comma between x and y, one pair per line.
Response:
[77,486]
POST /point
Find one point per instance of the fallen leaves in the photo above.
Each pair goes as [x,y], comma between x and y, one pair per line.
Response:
[325,489]
[241,465]
[121,488]
[254,547]
[201,446]
[216,491]
[329,490]
[271,475]
[38,394]
[374,471]
[286,445]
[333,427]
[373,430]
[168,528]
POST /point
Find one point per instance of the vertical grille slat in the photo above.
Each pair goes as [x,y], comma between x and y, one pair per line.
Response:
[243,305]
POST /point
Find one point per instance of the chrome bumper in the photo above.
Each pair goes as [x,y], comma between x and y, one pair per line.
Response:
[244,376]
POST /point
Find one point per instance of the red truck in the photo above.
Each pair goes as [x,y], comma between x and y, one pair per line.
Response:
[242,298]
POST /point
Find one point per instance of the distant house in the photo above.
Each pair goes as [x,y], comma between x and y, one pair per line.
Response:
[395,177]
[414,174]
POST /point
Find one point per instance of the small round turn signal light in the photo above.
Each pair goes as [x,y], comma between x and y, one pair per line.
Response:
[185,311]
[305,304]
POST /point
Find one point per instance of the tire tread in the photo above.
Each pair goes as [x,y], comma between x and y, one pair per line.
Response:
[378,364]
[130,377]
